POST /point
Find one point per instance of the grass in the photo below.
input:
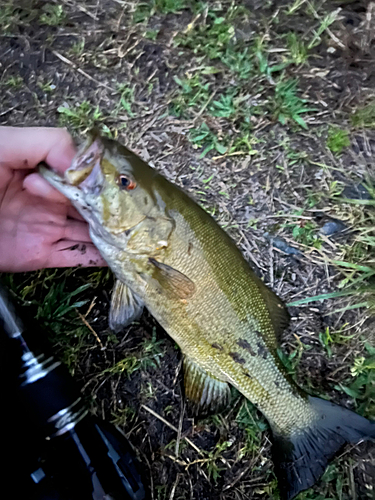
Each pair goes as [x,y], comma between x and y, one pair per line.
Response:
[53,15]
[337,140]
[80,117]
[148,356]
[364,117]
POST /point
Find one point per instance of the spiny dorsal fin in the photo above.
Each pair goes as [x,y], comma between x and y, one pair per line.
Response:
[207,393]
[172,281]
[126,307]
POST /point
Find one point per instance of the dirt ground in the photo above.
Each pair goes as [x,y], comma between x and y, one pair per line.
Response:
[265,113]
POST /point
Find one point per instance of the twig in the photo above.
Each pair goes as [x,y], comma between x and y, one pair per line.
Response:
[79,70]
[173,490]
[205,106]
[8,110]
[180,428]
[171,426]
[84,320]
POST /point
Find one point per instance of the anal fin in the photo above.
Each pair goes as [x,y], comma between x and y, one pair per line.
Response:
[207,393]
[126,307]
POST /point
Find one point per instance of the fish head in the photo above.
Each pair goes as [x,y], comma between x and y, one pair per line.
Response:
[117,193]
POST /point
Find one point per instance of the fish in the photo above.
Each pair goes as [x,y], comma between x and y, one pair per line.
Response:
[171,257]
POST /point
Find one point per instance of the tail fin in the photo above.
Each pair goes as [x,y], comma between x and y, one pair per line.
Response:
[301,459]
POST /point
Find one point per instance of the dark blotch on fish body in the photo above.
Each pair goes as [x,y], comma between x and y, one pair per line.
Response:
[245,345]
[237,358]
[262,351]
[217,346]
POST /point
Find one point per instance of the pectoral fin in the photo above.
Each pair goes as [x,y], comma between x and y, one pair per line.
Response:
[207,393]
[126,307]
[173,282]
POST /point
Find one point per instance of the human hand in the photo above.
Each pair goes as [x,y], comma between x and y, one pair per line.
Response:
[38,225]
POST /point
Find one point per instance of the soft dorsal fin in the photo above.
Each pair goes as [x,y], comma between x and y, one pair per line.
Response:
[126,307]
[277,310]
[173,282]
[207,393]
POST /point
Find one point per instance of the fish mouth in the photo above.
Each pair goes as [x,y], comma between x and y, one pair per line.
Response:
[73,193]
[85,170]
[84,176]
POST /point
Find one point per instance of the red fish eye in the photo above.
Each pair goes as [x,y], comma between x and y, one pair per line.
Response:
[125,182]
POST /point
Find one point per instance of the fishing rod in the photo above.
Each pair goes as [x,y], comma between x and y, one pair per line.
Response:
[54,448]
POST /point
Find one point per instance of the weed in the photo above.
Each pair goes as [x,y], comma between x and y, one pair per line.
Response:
[253,425]
[288,105]
[225,106]
[362,388]
[326,341]
[291,361]
[295,6]
[47,86]
[151,34]
[337,140]
[152,351]
[53,15]
[297,48]
[12,16]
[264,66]
[82,117]
[239,62]
[216,39]
[325,23]
[364,117]
[77,48]
[14,82]
[58,303]
[169,6]
[203,135]
[145,10]
[124,416]
[213,469]
[126,98]
[161,490]
[148,356]
[304,232]
[194,94]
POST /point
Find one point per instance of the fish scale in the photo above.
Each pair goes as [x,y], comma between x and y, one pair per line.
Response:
[170,256]
[214,314]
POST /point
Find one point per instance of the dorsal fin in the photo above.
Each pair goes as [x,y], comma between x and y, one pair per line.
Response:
[277,310]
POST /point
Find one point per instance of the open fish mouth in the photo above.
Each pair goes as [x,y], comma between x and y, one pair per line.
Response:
[84,176]
[85,170]
[73,193]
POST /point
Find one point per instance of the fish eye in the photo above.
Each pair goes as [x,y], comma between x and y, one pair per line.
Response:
[125,182]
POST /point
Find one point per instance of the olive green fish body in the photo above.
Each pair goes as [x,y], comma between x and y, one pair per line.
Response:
[225,325]
[170,256]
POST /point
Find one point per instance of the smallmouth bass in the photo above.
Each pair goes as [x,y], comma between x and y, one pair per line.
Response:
[170,256]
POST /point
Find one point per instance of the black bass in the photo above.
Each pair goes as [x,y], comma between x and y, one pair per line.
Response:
[170,256]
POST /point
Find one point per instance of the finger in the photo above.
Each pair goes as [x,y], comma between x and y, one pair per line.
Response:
[38,186]
[75,254]
[28,146]
[74,214]
[77,231]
